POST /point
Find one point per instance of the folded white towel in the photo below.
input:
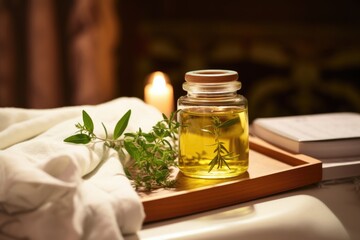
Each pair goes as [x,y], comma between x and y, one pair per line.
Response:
[42,192]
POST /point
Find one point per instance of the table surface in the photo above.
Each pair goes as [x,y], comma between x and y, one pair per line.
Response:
[327,210]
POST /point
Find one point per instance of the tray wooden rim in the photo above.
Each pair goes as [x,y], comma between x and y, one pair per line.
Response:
[304,170]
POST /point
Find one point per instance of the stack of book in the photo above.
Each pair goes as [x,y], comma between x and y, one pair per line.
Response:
[333,138]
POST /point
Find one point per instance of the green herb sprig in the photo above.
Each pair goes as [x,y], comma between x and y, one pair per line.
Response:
[154,153]
[221,153]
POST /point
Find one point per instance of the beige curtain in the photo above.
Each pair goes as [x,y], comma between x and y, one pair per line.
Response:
[91,37]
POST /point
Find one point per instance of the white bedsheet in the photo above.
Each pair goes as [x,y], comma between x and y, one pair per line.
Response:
[43,194]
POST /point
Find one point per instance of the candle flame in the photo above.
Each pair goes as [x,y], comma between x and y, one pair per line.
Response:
[158,82]
[158,92]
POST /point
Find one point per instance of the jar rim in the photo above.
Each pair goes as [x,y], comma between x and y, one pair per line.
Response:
[211,76]
[212,88]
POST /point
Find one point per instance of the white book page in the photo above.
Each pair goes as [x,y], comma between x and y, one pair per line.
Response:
[316,127]
[340,161]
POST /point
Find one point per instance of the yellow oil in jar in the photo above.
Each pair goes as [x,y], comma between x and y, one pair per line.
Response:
[213,142]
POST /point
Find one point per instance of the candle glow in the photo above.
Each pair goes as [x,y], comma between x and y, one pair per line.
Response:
[159,93]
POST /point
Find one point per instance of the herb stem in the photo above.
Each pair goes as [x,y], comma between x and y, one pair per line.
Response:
[222,154]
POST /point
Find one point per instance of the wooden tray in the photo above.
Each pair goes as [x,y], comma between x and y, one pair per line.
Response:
[271,170]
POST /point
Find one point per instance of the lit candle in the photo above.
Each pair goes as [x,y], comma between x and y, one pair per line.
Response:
[159,93]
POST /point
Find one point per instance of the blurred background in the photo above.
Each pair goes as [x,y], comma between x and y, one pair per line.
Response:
[293,57]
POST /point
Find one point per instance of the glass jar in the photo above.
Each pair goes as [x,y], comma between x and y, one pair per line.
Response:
[214,131]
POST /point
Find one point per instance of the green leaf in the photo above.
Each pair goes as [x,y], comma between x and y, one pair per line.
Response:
[132,149]
[213,163]
[164,116]
[149,137]
[224,148]
[121,125]
[88,123]
[167,142]
[158,132]
[227,164]
[172,115]
[78,139]
[229,123]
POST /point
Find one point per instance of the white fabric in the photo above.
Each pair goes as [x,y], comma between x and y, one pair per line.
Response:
[42,192]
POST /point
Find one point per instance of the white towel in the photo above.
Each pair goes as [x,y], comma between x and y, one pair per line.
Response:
[42,192]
